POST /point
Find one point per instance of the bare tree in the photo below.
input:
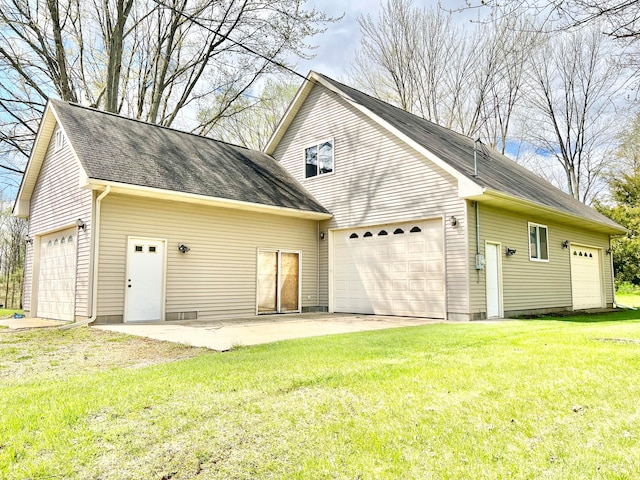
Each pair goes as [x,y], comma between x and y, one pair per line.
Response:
[421,61]
[150,59]
[572,107]
[12,249]
[254,119]
[620,18]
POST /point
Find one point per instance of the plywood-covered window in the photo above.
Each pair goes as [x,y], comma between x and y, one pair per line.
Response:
[538,242]
[278,282]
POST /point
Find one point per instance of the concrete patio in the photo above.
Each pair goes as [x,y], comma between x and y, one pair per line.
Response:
[223,335]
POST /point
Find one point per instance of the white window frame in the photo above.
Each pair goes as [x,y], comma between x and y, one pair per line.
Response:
[317,145]
[58,140]
[537,226]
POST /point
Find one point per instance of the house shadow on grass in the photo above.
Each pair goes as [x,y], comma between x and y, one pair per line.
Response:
[590,316]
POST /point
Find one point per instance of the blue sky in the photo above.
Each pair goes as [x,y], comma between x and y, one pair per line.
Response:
[337,46]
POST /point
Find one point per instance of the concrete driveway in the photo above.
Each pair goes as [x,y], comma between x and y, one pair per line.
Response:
[223,335]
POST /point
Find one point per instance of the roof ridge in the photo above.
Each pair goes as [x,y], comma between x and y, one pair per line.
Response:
[396,107]
[143,122]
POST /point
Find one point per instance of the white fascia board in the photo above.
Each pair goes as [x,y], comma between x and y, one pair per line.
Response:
[289,115]
[38,151]
[160,194]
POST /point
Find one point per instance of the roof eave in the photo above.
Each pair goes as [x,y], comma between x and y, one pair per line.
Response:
[289,115]
[158,193]
[504,200]
[32,170]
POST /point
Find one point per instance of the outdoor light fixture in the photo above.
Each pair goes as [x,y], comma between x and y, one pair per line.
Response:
[608,251]
[321,235]
[183,248]
[454,221]
[80,224]
[28,239]
[510,252]
[565,244]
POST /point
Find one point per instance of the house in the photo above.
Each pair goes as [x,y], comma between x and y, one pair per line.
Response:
[355,206]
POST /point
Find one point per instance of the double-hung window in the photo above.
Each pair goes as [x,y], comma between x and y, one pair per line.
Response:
[318,159]
[538,242]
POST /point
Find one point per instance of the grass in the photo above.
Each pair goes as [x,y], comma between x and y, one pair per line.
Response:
[522,399]
[8,312]
[628,295]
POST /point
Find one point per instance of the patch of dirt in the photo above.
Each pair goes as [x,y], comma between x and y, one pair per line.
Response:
[50,352]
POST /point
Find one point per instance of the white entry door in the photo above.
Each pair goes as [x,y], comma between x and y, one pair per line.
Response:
[493,279]
[145,279]
[393,269]
[57,275]
[586,277]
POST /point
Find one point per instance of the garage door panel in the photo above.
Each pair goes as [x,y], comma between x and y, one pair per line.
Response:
[586,277]
[395,274]
[57,275]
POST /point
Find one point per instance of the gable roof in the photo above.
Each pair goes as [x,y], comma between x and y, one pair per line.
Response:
[117,150]
[500,180]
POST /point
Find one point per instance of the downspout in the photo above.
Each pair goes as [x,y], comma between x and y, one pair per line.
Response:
[94,277]
[477,228]
[319,240]
[475,174]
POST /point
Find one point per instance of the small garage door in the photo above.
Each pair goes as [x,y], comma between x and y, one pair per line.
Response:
[586,277]
[57,275]
[390,270]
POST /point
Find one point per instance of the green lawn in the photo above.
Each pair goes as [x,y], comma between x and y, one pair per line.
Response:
[518,399]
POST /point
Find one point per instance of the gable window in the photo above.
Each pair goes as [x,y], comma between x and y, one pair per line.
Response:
[538,242]
[318,159]
[59,140]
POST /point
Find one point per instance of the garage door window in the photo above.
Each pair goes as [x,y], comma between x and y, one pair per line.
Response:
[538,243]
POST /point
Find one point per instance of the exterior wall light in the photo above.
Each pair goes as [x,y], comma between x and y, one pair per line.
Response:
[453,221]
[565,244]
[510,252]
[608,251]
[28,239]
[321,235]
[183,248]
[80,224]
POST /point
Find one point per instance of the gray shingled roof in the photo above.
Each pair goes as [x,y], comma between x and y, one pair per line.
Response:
[495,171]
[118,149]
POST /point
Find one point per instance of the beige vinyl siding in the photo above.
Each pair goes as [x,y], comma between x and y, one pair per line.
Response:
[530,285]
[56,203]
[218,276]
[377,179]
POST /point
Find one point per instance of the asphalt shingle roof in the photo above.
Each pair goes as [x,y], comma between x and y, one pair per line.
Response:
[118,149]
[495,171]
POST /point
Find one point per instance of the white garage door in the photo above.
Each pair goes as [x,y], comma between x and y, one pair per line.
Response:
[57,275]
[586,277]
[390,270]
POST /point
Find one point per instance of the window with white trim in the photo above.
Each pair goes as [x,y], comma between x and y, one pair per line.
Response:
[58,140]
[318,159]
[538,242]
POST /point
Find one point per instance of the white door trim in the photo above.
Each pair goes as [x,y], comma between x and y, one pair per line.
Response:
[164,274]
[498,265]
